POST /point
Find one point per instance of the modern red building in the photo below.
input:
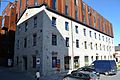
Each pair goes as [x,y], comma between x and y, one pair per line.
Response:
[75,9]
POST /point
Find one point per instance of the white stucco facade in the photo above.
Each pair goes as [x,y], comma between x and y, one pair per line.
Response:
[100,47]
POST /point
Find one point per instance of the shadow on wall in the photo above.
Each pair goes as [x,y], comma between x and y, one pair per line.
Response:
[55,45]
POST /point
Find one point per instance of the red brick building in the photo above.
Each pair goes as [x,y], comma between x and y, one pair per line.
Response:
[7,33]
[75,9]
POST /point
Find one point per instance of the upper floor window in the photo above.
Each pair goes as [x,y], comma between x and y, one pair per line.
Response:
[76,14]
[25,42]
[95,36]
[84,32]
[53,21]
[90,34]
[18,29]
[99,37]
[85,44]
[84,13]
[106,39]
[20,3]
[54,39]
[67,26]
[67,42]
[35,22]
[18,44]
[96,46]
[103,38]
[27,2]
[54,4]
[91,45]
[94,22]
[34,39]
[100,47]
[77,43]
[26,26]
[103,27]
[76,2]
[66,9]
[76,29]
[35,2]
[99,23]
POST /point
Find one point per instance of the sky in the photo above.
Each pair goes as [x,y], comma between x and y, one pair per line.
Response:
[109,9]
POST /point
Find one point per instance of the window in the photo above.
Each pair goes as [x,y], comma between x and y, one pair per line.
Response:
[76,61]
[54,39]
[66,9]
[99,37]
[100,47]
[67,26]
[95,36]
[91,45]
[85,44]
[94,22]
[89,16]
[99,23]
[76,29]
[35,22]
[77,43]
[67,60]
[76,14]
[26,26]
[103,38]
[20,3]
[67,42]
[25,42]
[106,39]
[92,58]
[103,27]
[34,61]
[86,60]
[90,34]
[76,2]
[34,39]
[18,42]
[96,46]
[54,4]
[35,2]
[53,21]
[104,47]
[84,32]
[27,2]
[84,13]
[54,62]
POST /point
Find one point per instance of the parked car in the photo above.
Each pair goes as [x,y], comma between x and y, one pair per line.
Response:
[87,69]
[118,64]
[82,75]
[105,66]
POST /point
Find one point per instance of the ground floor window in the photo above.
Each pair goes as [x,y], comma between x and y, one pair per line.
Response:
[34,61]
[86,60]
[54,62]
[76,61]
[67,60]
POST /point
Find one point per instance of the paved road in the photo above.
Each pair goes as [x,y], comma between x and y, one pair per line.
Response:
[111,77]
[6,74]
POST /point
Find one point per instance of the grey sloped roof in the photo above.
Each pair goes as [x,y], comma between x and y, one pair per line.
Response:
[117,48]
